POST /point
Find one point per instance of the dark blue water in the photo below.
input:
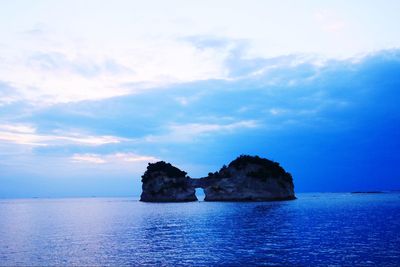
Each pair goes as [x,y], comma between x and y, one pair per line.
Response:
[316,229]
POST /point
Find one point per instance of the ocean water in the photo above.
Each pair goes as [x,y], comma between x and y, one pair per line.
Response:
[315,229]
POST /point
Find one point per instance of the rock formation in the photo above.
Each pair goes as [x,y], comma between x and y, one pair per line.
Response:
[247,178]
[163,182]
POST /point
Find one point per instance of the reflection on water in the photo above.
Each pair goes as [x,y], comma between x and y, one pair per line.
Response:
[316,229]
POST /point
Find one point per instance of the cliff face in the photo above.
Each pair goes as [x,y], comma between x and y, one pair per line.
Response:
[247,178]
[163,182]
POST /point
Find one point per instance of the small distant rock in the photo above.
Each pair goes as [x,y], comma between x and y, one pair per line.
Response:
[367,192]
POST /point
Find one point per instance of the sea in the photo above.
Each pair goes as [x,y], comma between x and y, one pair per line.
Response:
[317,229]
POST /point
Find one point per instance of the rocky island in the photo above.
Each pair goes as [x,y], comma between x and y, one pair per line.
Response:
[163,182]
[247,178]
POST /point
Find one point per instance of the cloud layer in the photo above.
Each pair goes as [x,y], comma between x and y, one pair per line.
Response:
[337,120]
[87,103]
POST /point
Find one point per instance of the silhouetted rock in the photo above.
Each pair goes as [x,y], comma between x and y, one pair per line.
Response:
[247,178]
[163,182]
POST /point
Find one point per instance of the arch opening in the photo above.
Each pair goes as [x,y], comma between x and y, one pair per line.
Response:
[200,194]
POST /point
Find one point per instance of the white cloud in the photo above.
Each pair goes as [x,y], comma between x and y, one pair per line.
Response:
[328,21]
[49,58]
[187,100]
[276,111]
[24,134]
[18,128]
[130,157]
[27,135]
[112,158]
[45,74]
[91,158]
[189,132]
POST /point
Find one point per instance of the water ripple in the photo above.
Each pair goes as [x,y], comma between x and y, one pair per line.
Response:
[316,229]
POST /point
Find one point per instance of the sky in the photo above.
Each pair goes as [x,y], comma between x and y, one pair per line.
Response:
[92,91]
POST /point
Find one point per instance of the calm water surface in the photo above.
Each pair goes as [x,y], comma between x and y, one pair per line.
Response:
[316,229]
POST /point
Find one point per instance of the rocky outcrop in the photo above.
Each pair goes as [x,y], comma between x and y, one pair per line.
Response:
[247,178]
[163,182]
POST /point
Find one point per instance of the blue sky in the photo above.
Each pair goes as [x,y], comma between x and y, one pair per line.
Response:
[91,91]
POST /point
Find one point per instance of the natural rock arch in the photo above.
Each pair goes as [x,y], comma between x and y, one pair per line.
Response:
[247,178]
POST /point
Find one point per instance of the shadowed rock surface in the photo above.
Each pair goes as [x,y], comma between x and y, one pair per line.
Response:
[163,182]
[247,178]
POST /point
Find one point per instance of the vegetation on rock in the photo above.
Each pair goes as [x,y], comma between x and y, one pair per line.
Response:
[222,173]
[162,167]
[267,168]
